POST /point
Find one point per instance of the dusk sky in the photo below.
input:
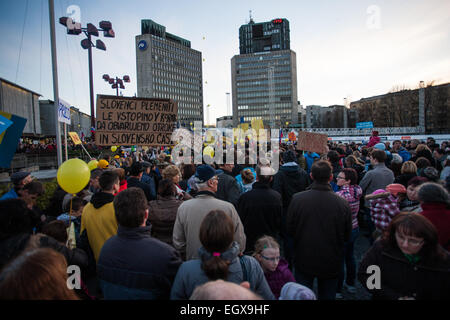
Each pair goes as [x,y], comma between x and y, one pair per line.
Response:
[351,49]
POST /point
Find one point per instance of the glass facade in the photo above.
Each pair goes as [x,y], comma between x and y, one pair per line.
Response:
[170,69]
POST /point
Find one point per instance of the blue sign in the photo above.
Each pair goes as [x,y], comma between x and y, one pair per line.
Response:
[142,45]
[364,125]
[4,123]
[242,119]
[9,139]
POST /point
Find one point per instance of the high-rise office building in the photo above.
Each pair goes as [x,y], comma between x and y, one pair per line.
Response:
[167,67]
[264,36]
[264,75]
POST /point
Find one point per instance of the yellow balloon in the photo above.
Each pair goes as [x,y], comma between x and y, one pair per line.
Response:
[209,151]
[92,164]
[73,175]
[113,148]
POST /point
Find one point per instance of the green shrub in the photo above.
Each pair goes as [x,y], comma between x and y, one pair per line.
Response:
[44,200]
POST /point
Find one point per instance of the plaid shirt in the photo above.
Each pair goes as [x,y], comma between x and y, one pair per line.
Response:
[382,210]
[352,194]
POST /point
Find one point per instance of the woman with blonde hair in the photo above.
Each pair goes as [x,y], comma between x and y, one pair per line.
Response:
[39,274]
[276,269]
[172,173]
[407,172]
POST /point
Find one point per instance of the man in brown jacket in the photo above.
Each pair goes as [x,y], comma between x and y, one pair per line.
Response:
[320,222]
[191,213]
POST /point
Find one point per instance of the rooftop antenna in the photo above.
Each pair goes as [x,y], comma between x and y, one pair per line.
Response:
[251,19]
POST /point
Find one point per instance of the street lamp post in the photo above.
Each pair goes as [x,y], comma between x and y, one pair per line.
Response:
[116,82]
[75,28]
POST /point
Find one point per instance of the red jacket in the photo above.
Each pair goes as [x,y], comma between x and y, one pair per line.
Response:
[123,185]
[373,141]
[439,215]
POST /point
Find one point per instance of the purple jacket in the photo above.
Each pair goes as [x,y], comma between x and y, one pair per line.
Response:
[278,278]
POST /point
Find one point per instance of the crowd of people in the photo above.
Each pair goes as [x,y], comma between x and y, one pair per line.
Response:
[146,227]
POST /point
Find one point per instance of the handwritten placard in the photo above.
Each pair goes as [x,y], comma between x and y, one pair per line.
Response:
[134,121]
[314,142]
[75,138]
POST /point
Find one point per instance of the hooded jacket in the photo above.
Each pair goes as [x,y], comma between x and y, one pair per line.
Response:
[191,275]
[289,180]
[98,221]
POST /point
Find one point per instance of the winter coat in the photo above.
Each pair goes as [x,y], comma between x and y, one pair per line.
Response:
[98,222]
[228,188]
[260,212]
[191,275]
[288,181]
[134,265]
[352,194]
[189,218]
[439,215]
[135,182]
[278,278]
[309,157]
[373,141]
[429,279]
[162,214]
[377,178]
[320,222]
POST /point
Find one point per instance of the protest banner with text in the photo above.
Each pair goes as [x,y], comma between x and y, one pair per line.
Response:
[313,142]
[134,121]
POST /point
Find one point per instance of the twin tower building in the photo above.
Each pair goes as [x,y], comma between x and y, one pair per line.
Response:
[264,74]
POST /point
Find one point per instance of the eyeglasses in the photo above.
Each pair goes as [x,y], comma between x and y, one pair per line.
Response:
[271,259]
[342,178]
[412,242]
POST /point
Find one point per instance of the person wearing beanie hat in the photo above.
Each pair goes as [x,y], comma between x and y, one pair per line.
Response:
[103,164]
[191,213]
[295,291]
[19,180]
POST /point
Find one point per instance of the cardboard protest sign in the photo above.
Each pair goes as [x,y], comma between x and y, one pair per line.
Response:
[74,137]
[314,142]
[134,121]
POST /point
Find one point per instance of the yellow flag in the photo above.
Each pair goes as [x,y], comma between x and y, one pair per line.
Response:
[75,137]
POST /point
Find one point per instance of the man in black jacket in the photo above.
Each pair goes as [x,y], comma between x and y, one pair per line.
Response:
[133,264]
[289,180]
[320,222]
[136,173]
[260,209]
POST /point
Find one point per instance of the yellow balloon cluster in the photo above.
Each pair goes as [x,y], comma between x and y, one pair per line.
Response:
[209,151]
[73,175]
